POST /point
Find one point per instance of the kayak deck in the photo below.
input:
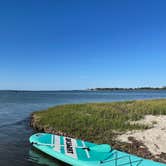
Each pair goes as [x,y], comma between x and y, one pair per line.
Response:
[79,153]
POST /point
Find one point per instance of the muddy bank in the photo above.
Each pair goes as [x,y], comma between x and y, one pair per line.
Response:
[39,128]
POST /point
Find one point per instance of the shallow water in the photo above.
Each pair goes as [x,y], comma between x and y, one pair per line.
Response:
[15,110]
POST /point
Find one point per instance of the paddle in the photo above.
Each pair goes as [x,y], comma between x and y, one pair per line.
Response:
[99,148]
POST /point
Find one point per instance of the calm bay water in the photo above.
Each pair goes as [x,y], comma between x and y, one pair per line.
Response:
[15,110]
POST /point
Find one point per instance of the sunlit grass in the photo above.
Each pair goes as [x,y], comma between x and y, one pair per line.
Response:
[99,122]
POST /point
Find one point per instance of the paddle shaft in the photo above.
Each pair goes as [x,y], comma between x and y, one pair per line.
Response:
[43,144]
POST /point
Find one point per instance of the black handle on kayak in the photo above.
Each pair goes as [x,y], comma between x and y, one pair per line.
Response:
[86,148]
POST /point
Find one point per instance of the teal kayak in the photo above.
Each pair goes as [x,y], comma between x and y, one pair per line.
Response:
[81,153]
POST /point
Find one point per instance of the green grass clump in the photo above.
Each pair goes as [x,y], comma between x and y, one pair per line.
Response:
[99,122]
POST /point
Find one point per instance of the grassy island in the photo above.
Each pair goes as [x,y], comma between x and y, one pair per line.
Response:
[99,122]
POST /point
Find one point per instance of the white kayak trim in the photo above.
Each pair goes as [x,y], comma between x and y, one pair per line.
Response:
[56,143]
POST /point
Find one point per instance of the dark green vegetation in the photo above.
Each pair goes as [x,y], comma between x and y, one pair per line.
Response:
[140,88]
[97,122]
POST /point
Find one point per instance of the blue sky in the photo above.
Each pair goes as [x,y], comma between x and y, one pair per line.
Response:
[78,44]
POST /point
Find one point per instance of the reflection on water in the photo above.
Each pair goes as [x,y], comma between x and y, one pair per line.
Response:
[38,157]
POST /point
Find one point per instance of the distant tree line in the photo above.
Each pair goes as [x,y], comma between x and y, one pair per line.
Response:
[139,88]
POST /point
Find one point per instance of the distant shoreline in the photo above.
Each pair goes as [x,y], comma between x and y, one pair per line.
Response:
[127,89]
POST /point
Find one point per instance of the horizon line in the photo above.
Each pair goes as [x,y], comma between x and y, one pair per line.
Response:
[86,89]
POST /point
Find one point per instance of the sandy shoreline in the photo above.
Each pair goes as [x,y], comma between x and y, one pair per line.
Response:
[154,138]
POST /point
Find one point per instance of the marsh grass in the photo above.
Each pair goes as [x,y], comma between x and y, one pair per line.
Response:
[98,122]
